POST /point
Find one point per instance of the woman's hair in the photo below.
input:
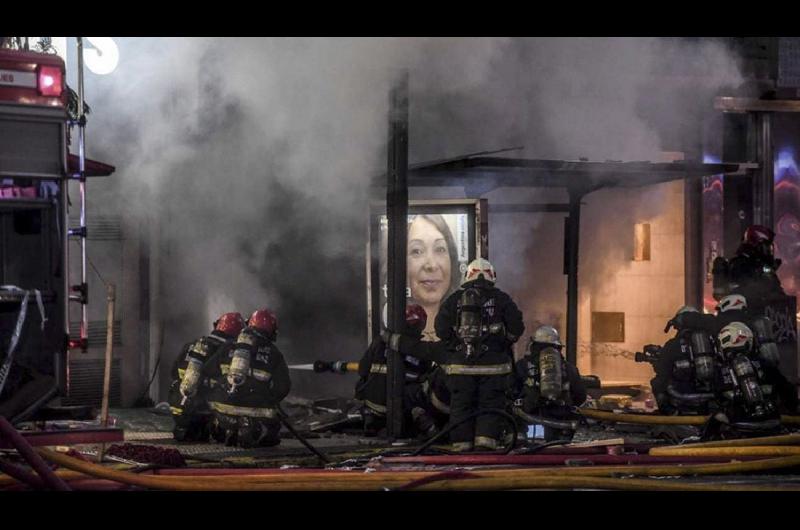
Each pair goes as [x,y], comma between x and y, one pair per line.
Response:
[437,220]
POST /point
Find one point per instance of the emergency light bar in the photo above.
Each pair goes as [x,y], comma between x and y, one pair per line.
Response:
[49,81]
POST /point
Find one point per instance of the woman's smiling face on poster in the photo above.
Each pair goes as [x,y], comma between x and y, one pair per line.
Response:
[428,262]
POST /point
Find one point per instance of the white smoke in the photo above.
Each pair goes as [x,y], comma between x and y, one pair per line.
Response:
[256,154]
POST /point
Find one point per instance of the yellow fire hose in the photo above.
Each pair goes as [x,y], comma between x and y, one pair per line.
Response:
[556,482]
[656,419]
[648,419]
[752,450]
[784,439]
[492,479]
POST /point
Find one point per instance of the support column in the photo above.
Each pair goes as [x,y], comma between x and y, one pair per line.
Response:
[572,236]
[764,176]
[397,214]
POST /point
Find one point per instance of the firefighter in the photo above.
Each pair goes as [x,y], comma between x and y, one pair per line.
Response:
[371,386]
[733,308]
[686,366]
[478,325]
[252,378]
[752,272]
[546,383]
[190,384]
[747,399]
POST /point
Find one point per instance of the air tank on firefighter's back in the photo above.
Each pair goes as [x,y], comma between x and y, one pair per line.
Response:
[550,369]
[703,352]
[469,318]
[748,383]
[767,349]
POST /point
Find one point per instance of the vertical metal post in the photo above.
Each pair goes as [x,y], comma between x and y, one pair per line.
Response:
[573,234]
[62,372]
[82,168]
[397,213]
[764,178]
[156,330]
[694,266]
[737,190]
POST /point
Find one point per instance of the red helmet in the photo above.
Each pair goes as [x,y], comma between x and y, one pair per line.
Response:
[416,317]
[756,234]
[230,324]
[264,321]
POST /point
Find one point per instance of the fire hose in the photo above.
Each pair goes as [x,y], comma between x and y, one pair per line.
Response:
[570,425]
[750,450]
[595,477]
[783,439]
[657,419]
[699,397]
[29,454]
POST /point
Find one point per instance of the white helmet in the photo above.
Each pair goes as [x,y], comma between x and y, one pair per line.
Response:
[479,268]
[731,302]
[736,335]
[547,335]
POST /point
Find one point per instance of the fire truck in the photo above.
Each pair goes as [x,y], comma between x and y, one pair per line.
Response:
[36,168]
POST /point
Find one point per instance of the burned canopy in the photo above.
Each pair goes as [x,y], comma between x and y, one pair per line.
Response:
[481,174]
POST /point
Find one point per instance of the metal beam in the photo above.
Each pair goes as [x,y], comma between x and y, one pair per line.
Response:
[533,208]
[397,214]
[764,176]
[742,105]
[67,437]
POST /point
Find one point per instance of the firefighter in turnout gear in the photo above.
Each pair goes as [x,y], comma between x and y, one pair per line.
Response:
[734,308]
[371,386]
[687,366]
[748,401]
[752,272]
[252,378]
[546,383]
[478,325]
[190,379]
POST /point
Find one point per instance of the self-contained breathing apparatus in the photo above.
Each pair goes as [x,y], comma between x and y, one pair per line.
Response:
[693,371]
[765,341]
[240,362]
[470,329]
[741,375]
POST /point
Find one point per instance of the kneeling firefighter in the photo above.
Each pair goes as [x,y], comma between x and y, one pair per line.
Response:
[749,402]
[546,384]
[252,379]
[687,366]
[733,308]
[190,379]
[478,325]
[371,386]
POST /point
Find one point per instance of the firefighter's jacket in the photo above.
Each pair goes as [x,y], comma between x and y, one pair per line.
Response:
[371,386]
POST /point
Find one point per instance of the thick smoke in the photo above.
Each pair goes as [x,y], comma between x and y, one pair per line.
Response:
[255,156]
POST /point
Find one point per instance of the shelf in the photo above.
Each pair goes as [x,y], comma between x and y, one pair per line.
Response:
[24,203]
[7,297]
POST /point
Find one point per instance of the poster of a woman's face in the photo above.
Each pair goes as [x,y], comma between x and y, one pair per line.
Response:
[435,262]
